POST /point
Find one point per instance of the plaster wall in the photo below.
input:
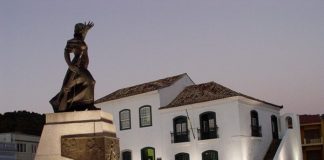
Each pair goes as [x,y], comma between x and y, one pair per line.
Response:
[30,141]
[167,94]
[6,137]
[295,124]
[232,117]
[227,119]
[255,148]
[137,137]
[290,147]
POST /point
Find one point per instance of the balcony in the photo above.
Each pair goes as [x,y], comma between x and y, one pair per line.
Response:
[8,147]
[256,131]
[179,137]
[211,133]
[313,141]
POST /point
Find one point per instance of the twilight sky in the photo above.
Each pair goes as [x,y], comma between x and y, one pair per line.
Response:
[271,50]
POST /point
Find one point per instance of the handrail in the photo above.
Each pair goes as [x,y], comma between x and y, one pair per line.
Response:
[313,140]
[180,137]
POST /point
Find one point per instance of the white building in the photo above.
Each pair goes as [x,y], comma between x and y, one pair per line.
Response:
[18,146]
[173,118]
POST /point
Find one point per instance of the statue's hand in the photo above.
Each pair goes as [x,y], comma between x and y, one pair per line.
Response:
[74,68]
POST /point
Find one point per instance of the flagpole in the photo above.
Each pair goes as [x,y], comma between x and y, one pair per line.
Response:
[193,134]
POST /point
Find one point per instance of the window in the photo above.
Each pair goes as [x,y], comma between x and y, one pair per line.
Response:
[255,128]
[125,119]
[145,116]
[127,155]
[210,155]
[274,126]
[180,129]
[314,154]
[21,147]
[148,153]
[33,148]
[312,135]
[182,156]
[208,126]
[289,122]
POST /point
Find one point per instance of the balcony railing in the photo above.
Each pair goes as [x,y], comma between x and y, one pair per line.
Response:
[310,141]
[8,147]
[178,137]
[256,131]
[210,134]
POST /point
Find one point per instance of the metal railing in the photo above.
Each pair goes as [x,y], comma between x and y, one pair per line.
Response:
[212,133]
[316,140]
[8,147]
[179,137]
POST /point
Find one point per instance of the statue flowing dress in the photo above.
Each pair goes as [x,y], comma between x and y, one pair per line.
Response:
[77,92]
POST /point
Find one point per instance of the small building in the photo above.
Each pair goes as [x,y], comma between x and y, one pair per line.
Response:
[18,146]
[174,118]
[312,133]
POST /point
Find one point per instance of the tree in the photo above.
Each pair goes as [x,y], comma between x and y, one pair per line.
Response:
[23,122]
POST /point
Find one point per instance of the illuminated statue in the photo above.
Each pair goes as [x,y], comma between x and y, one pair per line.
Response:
[77,92]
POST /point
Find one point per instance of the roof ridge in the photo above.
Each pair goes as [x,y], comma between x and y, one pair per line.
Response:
[141,88]
[208,91]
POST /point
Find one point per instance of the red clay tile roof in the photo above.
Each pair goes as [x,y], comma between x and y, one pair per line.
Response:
[141,88]
[304,119]
[206,92]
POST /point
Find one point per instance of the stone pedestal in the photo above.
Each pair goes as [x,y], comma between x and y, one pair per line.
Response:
[83,135]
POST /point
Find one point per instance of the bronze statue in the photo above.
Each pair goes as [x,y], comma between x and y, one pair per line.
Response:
[77,92]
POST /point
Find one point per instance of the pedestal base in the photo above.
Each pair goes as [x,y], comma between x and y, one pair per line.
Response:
[80,135]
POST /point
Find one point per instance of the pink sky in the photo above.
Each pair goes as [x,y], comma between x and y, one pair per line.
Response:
[271,50]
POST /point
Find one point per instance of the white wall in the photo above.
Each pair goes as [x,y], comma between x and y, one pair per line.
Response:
[290,146]
[255,148]
[136,138]
[233,119]
[167,94]
[232,116]
[224,110]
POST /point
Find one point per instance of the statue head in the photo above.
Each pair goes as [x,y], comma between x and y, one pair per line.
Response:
[81,29]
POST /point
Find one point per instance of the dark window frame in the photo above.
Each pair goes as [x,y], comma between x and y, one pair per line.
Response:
[274,127]
[179,156]
[126,151]
[140,119]
[203,155]
[255,125]
[130,120]
[205,131]
[289,122]
[143,151]
[183,134]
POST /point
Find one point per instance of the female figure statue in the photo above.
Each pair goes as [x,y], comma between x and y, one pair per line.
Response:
[77,92]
